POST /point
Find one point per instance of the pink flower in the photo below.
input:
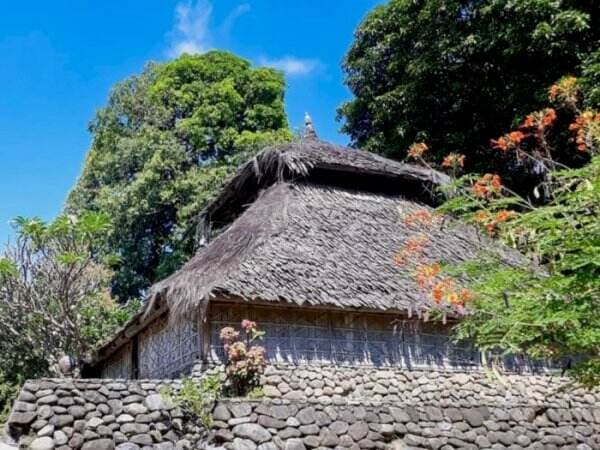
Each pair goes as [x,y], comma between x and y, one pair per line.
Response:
[248,325]
[228,334]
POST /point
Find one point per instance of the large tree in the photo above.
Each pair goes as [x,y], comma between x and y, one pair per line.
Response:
[166,141]
[453,73]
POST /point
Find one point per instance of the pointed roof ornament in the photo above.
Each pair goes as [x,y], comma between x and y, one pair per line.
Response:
[309,129]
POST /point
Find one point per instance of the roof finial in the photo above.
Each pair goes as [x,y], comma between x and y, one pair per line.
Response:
[309,129]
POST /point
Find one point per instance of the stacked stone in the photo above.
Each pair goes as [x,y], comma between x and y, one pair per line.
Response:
[337,385]
[99,415]
[298,426]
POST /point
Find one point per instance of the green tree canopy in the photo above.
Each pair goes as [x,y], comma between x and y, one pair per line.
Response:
[166,141]
[455,73]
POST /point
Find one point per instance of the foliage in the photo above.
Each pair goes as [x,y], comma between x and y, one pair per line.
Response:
[245,361]
[196,399]
[454,73]
[8,393]
[550,308]
[163,146]
[54,296]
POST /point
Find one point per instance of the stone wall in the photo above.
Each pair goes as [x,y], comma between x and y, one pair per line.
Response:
[99,415]
[318,407]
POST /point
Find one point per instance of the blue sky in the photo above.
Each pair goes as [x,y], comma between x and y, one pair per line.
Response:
[60,58]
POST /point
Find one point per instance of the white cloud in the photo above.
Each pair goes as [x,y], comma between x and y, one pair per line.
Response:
[291,65]
[191,33]
[229,21]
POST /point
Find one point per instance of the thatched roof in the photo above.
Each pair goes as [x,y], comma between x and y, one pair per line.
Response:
[311,244]
[311,223]
[324,162]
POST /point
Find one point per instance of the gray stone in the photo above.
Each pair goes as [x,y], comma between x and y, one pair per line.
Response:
[135,408]
[47,430]
[221,413]
[253,432]
[399,415]
[309,429]
[339,427]
[116,406]
[48,400]
[289,433]
[142,439]
[76,441]
[60,438]
[243,444]
[157,402]
[128,446]
[267,446]
[94,422]
[42,443]
[328,438]
[77,412]
[473,417]
[270,422]
[358,430]
[306,416]
[311,441]
[99,444]
[125,418]
[21,418]
[294,444]
[240,409]
[61,420]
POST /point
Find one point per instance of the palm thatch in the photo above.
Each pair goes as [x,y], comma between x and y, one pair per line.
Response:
[311,244]
[312,223]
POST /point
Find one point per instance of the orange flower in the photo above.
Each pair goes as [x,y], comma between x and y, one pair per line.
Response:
[454,160]
[496,183]
[549,117]
[516,136]
[500,144]
[583,128]
[487,186]
[416,243]
[465,295]
[441,289]
[504,215]
[565,90]
[426,273]
[529,122]
[481,216]
[417,149]
[420,216]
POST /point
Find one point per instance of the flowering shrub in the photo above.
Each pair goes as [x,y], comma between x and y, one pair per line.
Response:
[551,313]
[245,359]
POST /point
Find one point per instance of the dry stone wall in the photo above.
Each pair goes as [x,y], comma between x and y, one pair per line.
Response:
[99,415]
[317,407]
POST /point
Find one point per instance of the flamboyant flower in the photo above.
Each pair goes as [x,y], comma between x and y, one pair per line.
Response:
[419,217]
[487,186]
[586,129]
[566,90]
[417,149]
[549,117]
[504,215]
[425,274]
[454,161]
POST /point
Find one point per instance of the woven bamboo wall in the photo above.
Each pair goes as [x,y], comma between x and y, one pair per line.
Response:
[295,335]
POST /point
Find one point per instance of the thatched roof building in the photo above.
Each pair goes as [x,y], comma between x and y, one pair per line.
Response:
[307,226]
